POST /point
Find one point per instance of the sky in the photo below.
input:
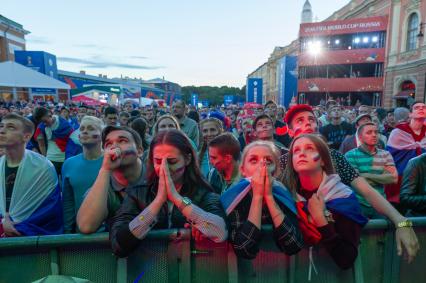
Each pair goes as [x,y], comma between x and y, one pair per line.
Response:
[189,42]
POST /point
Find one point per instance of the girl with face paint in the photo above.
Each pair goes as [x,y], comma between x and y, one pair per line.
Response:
[328,210]
[174,193]
[259,199]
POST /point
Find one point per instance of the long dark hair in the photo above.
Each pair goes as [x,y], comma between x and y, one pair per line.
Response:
[291,177]
[140,125]
[192,178]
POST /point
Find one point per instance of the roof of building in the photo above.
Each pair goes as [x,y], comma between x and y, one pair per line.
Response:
[13,24]
[307,5]
[157,81]
[106,81]
[87,77]
[13,74]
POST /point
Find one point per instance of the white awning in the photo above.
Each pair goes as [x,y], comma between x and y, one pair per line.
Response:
[13,74]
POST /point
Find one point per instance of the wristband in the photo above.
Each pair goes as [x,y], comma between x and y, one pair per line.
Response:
[405,223]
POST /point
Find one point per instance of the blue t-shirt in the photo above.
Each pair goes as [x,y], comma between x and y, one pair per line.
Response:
[78,175]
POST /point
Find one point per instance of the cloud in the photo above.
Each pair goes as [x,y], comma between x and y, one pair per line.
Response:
[38,39]
[88,45]
[138,57]
[99,63]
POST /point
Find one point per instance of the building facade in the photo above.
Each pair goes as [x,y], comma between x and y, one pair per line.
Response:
[12,37]
[404,63]
[342,60]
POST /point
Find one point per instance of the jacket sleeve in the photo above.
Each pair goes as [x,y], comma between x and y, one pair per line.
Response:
[244,236]
[287,235]
[209,218]
[410,195]
[123,242]
[341,240]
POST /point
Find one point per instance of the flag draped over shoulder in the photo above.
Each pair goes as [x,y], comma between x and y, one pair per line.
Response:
[35,206]
[233,196]
[60,135]
[403,145]
[338,198]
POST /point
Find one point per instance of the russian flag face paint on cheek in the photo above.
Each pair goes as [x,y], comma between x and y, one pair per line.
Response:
[179,170]
[316,157]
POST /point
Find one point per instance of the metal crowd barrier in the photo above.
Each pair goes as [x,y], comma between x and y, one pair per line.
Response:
[171,256]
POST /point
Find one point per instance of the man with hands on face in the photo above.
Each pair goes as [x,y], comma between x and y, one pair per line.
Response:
[174,195]
[258,199]
[121,169]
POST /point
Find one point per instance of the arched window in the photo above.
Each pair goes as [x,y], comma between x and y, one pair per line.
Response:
[412,31]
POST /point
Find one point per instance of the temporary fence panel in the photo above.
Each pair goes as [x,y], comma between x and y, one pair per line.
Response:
[171,256]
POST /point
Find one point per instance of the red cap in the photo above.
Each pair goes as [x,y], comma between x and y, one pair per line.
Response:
[296,109]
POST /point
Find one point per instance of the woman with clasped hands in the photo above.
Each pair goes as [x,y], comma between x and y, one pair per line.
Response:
[259,199]
[174,196]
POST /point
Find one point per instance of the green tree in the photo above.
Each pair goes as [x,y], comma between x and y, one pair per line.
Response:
[215,95]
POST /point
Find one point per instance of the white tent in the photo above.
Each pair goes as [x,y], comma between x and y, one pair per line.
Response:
[13,74]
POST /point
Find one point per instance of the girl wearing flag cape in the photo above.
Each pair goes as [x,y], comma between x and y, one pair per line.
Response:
[259,199]
[329,213]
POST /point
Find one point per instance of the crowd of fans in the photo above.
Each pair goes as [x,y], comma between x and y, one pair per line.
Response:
[316,174]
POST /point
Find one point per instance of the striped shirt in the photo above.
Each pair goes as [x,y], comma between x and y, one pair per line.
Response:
[366,162]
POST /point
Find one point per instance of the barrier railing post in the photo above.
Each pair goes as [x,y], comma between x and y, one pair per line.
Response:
[358,272]
[185,262]
[389,271]
[54,265]
[232,265]
[121,270]
[292,269]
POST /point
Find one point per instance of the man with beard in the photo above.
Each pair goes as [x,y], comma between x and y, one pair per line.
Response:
[301,120]
[121,168]
[187,125]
